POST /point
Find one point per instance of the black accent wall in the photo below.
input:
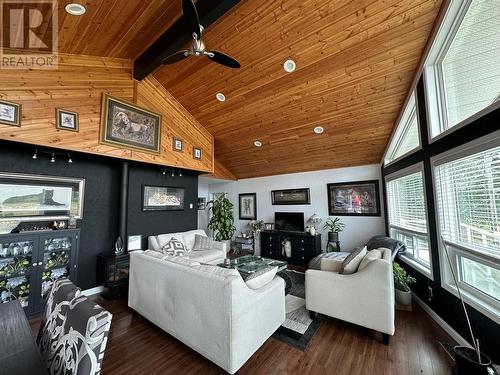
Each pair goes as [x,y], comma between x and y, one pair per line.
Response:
[99,227]
[444,303]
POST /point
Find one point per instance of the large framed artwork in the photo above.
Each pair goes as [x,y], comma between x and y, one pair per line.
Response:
[358,198]
[291,196]
[162,198]
[248,206]
[33,198]
[126,125]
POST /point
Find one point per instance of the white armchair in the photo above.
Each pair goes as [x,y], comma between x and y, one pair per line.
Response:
[365,298]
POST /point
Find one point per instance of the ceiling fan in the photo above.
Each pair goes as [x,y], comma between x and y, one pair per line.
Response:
[197,46]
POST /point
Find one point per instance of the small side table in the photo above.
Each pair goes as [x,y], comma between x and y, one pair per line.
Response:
[112,272]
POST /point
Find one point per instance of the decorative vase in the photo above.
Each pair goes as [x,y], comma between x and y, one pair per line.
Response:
[312,231]
[287,248]
[333,236]
[403,298]
[119,246]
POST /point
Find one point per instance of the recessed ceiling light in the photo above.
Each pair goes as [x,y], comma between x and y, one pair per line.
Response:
[319,129]
[289,65]
[75,9]
[220,97]
[258,144]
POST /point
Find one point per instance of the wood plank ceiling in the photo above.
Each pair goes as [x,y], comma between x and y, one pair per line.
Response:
[355,62]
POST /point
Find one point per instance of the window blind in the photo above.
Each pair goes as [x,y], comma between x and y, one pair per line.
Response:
[406,202]
[468,199]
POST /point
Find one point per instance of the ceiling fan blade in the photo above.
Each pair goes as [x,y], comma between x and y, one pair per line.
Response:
[178,56]
[191,17]
[223,59]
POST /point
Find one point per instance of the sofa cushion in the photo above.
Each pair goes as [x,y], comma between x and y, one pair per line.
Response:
[189,237]
[351,263]
[370,257]
[174,247]
[205,256]
[261,278]
[163,239]
[203,243]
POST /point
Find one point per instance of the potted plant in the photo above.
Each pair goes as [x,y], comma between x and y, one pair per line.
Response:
[222,220]
[334,226]
[401,284]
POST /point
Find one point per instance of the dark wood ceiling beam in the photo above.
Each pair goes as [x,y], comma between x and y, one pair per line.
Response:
[177,36]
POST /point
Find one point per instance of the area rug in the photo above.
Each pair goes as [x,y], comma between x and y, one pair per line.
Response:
[298,328]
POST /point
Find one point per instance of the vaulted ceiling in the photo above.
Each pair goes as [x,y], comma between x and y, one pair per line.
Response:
[355,63]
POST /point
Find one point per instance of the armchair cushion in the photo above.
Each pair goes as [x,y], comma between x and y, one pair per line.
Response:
[351,263]
[370,257]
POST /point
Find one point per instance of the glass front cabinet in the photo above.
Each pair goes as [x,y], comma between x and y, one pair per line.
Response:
[31,262]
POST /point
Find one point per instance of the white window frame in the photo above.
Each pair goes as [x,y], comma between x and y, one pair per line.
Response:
[486,304]
[409,259]
[401,130]
[435,93]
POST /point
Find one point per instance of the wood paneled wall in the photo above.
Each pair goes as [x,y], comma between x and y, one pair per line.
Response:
[77,85]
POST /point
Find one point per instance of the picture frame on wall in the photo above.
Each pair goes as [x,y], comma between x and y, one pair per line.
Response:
[291,196]
[248,206]
[162,198]
[129,126]
[10,113]
[66,120]
[202,203]
[134,243]
[356,198]
[197,153]
[177,144]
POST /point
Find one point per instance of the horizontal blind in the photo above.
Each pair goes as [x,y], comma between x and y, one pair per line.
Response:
[406,202]
[468,199]
[471,66]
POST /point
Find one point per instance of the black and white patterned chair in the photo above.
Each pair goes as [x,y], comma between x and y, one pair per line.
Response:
[74,337]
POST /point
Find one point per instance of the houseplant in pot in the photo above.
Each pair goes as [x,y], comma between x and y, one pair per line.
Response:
[334,226]
[222,220]
[401,284]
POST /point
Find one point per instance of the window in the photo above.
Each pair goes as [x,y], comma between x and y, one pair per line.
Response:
[462,72]
[408,216]
[407,136]
[468,204]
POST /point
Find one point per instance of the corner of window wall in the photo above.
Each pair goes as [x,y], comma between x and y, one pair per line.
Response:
[462,70]
[467,199]
[407,216]
[406,137]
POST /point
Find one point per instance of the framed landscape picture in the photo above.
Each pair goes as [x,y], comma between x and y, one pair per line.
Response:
[10,113]
[162,198]
[291,196]
[358,198]
[129,126]
[66,120]
[248,206]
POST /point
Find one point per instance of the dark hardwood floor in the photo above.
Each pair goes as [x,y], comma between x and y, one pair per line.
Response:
[136,346]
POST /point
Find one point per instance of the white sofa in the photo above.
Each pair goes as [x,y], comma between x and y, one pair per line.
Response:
[215,256]
[208,308]
[365,298]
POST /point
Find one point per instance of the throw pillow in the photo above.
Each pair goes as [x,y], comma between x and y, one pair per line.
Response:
[261,278]
[202,243]
[351,263]
[370,257]
[174,247]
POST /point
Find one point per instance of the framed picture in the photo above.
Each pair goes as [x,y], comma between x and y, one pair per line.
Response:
[196,153]
[358,198]
[248,206]
[202,203]
[269,226]
[129,126]
[34,198]
[66,120]
[177,144]
[162,198]
[10,113]
[134,243]
[291,196]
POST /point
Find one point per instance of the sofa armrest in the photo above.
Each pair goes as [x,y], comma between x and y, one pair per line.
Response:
[222,247]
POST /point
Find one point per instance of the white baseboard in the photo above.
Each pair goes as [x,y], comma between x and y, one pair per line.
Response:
[91,292]
[445,326]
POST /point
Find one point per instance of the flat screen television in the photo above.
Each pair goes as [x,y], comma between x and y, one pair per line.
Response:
[289,221]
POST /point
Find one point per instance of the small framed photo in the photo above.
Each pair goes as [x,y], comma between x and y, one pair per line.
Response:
[177,145]
[10,113]
[202,203]
[197,153]
[248,206]
[134,243]
[66,120]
